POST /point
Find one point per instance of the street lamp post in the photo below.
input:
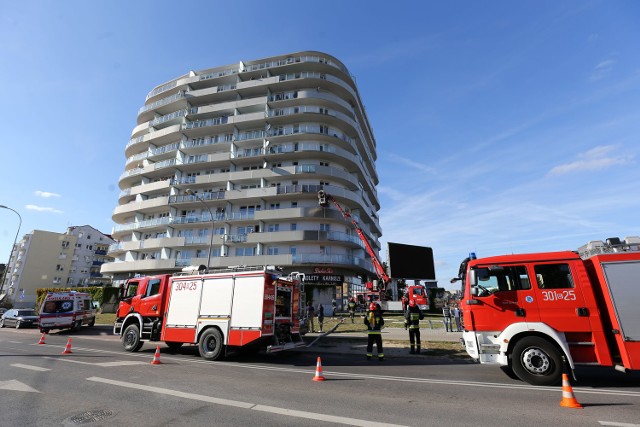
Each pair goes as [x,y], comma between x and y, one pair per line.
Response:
[4,273]
[201,200]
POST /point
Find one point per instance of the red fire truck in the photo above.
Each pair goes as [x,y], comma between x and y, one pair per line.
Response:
[417,293]
[536,312]
[238,307]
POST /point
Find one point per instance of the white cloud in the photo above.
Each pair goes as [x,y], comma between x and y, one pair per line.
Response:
[597,158]
[411,163]
[45,194]
[601,70]
[43,209]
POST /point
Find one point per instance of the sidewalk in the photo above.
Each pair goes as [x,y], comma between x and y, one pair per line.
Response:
[395,341]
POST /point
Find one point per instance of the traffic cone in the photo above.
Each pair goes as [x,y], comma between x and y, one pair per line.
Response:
[42,339]
[67,349]
[156,357]
[568,399]
[318,376]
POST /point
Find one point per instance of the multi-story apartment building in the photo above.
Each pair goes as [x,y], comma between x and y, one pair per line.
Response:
[230,160]
[90,252]
[44,259]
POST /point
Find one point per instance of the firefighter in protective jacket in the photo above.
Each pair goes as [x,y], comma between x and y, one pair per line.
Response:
[412,318]
[374,322]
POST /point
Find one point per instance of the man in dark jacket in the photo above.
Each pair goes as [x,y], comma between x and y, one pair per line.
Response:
[374,321]
[412,318]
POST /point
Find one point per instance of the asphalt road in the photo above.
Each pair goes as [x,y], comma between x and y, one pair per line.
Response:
[99,384]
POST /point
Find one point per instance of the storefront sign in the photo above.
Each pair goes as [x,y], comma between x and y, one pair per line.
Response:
[323,278]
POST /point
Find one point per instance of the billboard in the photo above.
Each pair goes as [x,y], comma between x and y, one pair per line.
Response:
[410,262]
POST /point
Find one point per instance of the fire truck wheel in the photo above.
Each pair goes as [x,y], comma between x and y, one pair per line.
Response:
[536,361]
[131,338]
[210,344]
[92,322]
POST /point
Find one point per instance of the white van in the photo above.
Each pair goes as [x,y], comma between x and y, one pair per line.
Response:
[66,310]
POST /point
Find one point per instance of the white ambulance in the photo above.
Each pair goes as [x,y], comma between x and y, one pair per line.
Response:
[66,310]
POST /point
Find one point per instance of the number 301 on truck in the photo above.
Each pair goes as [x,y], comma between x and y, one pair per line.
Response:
[533,312]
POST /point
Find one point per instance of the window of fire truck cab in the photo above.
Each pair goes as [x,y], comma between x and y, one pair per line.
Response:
[493,279]
[132,289]
[153,287]
[553,276]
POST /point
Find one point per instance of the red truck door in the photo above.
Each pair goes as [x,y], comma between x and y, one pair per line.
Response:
[150,297]
[560,299]
[504,297]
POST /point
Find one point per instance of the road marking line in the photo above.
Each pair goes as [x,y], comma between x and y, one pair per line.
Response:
[244,405]
[103,364]
[611,423]
[16,385]
[31,367]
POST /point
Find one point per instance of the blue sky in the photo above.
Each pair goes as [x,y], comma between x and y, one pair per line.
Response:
[501,127]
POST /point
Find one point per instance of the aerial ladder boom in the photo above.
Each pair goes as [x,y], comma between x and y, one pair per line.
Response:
[323,199]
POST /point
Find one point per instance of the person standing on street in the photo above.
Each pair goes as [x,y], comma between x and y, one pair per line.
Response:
[446,313]
[412,317]
[320,316]
[374,321]
[352,309]
[334,307]
[456,317]
[310,316]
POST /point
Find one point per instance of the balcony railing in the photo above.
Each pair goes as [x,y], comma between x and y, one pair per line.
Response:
[222,73]
[161,102]
[215,195]
[162,88]
[205,123]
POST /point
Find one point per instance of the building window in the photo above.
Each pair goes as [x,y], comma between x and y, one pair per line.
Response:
[65,244]
[294,226]
[59,268]
[292,250]
[245,251]
[273,228]
[325,227]
[272,251]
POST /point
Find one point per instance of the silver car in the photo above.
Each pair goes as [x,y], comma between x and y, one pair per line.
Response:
[20,318]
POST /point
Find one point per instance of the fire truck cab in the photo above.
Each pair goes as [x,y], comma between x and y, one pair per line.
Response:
[536,312]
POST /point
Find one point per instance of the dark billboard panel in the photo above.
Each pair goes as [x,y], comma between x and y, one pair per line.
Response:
[410,262]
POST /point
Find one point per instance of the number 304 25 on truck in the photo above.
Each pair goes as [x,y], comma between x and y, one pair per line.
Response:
[250,308]
[535,312]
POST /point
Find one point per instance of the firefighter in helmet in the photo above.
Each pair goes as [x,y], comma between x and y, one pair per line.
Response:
[374,322]
[352,308]
[412,318]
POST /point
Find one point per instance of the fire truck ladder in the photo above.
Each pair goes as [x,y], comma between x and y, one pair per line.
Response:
[323,199]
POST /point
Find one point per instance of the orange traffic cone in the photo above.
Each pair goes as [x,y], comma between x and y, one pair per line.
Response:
[67,349]
[568,399]
[318,376]
[156,357]
[42,339]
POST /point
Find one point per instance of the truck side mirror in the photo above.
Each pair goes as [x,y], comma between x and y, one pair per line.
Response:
[120,293]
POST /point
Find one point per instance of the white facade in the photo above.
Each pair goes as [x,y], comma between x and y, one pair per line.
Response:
[254,141]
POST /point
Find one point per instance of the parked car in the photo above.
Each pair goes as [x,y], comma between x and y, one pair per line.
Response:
[20,318]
